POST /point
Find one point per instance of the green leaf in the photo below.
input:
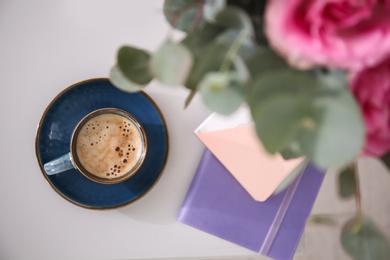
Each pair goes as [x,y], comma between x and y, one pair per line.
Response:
[209,33]
[335,122]
[209,60]
[240,68]
[204,35]
[335,125]
[339,135]
[190,97]
[121,82]
[134,65]
[283,128]
[248,46]
[212,8]
[323,220]
[332,79]
[279,118]
[292,151]
[265,60]
[291,177]
[189,41]
[171,64]
[386,159]
[279,81]
[234,17]
[347,182]
[366,243]
[183,15]
[222,92]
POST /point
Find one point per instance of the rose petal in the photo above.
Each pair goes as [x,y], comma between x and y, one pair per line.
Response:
[346,34]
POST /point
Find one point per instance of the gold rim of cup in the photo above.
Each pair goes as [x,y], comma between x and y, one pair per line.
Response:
[85,172]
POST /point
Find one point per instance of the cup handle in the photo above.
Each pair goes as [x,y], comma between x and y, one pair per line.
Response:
[60,164]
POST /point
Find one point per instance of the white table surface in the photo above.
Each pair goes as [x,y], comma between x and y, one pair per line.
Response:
[47,45]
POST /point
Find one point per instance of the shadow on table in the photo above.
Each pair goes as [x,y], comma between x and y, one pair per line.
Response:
[153,208]
[162,203]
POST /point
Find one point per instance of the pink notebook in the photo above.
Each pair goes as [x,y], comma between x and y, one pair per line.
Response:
[234,143]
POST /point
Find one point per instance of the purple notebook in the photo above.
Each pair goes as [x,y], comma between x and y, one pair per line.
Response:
[217,204]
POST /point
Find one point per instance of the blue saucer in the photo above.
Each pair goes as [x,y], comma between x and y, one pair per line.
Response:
[56,127]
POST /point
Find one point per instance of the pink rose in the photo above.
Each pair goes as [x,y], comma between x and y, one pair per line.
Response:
[371,88]
[349,34]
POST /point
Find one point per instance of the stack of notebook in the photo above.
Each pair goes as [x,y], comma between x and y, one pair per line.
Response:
[223,200]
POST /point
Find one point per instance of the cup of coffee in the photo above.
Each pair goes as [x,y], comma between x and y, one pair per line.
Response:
[107,146]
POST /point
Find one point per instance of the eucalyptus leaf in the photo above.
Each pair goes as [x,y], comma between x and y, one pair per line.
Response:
[347,182]
[292,151]
[222,92]
[207,34]
[265,60]
[134,64]
[278,120]
[204,35]
[248,46]
[209,60]
[291,176]
[183,15]
[121,82]
[366,243]
[339,128]
[240,67]
[212,8]
[335,122]
[332,79]
[234,17]
[323,220]
[279,82]
[171,64]
[190,97]
[189,41]
[212,58]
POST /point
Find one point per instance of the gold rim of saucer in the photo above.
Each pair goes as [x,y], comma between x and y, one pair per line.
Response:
[55,188]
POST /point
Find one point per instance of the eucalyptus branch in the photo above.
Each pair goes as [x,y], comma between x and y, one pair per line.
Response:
[358,201]
[198,16]
[232,52]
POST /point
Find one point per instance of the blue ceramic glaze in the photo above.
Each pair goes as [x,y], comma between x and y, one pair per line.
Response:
[60,119]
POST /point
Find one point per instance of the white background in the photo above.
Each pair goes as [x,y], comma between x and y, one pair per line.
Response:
[47,45]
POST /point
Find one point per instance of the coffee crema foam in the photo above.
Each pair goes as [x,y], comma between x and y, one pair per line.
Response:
[109,145]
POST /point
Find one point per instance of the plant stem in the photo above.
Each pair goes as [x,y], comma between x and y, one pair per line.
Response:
[358,200]
[198,16]
[232,52]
